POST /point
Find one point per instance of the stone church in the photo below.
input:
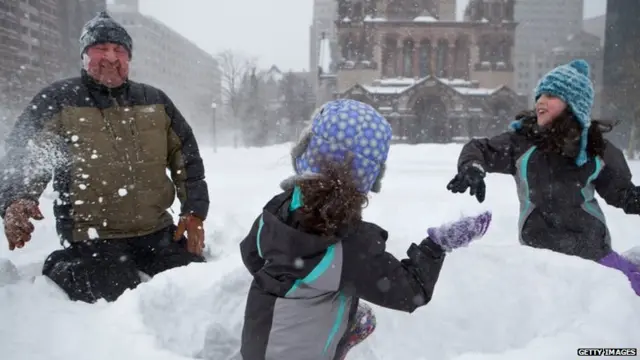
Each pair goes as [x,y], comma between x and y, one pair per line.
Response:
[434,78]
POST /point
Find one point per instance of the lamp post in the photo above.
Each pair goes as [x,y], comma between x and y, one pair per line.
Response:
[214,107]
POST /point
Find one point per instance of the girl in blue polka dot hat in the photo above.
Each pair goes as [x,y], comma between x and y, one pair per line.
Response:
[560,160]
[313,257]
[344,128]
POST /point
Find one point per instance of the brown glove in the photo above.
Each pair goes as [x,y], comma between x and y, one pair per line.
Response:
[17,227]
[195,233]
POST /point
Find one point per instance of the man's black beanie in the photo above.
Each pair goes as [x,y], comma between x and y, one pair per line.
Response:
[103,29]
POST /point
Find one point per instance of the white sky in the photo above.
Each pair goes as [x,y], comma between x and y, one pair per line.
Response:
[275,31]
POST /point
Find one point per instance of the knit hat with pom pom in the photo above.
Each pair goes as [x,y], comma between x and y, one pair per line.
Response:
[571,83]
[104,29]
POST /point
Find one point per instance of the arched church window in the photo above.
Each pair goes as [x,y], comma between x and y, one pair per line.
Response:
[497,11]
[496,52]
[344,51]
[412,8]
[486,10]
[367,45]
[441,58]
[424,58]
[357,11]
[427,5]
[344,7]
[371,8]
[389,56]
[509,10]
[348,47]
[461,57]
[395,9]
[505,52]
[485,49]
[407,57]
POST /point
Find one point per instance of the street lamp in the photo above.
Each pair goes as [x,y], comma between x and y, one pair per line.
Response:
[214,106]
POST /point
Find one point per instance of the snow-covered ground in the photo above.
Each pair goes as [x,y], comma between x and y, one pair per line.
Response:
[495,299]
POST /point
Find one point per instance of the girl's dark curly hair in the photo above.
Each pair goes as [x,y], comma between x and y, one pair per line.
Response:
[331,201]
[564,130]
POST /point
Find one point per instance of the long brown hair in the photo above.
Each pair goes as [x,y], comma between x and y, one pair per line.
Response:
[566,129]
[331,201]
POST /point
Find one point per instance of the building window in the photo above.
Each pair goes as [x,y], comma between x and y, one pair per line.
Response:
[424,58]
[407,57]
[389,56]
[395,10]
[357,12]
[441,58]
[485,49]
[497,11]
[461,58]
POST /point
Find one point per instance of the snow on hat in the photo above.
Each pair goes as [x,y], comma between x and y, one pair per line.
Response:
[343,127]
[104,29]
[571,83]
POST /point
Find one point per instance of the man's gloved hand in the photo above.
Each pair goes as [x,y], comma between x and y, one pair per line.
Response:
[17,224]
[195,233]
[471,177]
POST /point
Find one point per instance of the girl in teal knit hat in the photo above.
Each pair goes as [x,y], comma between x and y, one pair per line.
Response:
[559,159]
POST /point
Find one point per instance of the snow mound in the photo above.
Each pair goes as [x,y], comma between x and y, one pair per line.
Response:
[8,272]
[491,303]
[633,255]
[517,303]
[495,299]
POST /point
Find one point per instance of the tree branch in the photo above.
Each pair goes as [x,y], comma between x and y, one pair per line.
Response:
[234,69]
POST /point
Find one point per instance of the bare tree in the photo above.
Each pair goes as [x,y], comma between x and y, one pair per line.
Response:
[235,67]
[297,103]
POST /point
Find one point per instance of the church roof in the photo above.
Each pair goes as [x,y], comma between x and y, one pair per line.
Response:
[398,86]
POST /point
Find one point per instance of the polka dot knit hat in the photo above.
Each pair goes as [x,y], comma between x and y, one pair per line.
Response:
[344,127]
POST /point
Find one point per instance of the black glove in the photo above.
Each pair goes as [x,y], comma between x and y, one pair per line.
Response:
[471,177]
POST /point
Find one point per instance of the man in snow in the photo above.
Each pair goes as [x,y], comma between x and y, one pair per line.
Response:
[106,142]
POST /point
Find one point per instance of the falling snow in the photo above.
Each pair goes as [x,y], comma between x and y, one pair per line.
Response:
[469,316]
[93,233]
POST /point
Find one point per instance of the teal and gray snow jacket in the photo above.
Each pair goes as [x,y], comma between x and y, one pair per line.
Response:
[558,208]
[306,287]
